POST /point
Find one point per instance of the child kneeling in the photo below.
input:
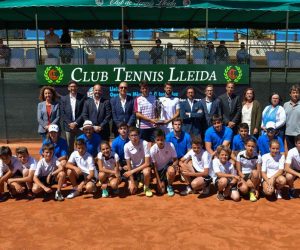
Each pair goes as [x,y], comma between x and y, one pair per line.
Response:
[226,178]
[195,168]
[48,172]
[109,169]
[81,170]
[164,159]
[272,170]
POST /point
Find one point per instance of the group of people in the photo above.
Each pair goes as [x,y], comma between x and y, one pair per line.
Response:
[220,54]
[52,40]
[224,140]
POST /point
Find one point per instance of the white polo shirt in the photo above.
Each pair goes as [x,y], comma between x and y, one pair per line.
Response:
[218,167]
[271,165]
[200,161]
[44,168]
[16,165]
[30,164]
[162,156]
[169,105]
[248,163]
[137,153]
[293,158]
[109,163]
[85,163]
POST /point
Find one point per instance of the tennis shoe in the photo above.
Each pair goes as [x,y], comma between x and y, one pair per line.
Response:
[58,196]
[105,193]
[148,191]
[187,191]
[73,194]
[170,191]
[252,197]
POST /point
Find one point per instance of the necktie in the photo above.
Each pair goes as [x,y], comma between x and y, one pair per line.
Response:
[229,103]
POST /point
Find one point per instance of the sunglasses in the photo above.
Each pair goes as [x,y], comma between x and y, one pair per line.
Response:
[122,87]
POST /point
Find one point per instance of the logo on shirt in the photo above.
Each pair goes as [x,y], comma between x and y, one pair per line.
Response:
[233,74]
[53,74]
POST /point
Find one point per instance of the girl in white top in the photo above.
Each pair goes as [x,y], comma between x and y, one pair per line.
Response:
[28,168]
[272,170]
[225,175]
[292,167]
[109,169]
[81,170]
[195,168]
[248,166]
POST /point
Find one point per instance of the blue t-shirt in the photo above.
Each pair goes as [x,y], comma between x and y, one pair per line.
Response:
[182,145]
[238,143]
[92,145]
[118,146]
[263,144]
[217,138]
[60,148]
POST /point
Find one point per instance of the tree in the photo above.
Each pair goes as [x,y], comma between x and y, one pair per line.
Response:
[91,38]
[191,36]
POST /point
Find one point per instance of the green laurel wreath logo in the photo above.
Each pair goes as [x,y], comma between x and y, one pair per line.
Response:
[48,78]
[238,78]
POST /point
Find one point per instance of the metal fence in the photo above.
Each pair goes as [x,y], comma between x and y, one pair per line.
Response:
[271,56]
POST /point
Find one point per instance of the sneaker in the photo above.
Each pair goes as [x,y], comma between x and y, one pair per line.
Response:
[3,198]
[73,194]
[252,196]
[220,196]
[292,193]
[59,196]
[30,195]
[187,191]
[105,193]
[278,194]
[140,184]
[116,191]
[206,190]
[148,191]
[170,191]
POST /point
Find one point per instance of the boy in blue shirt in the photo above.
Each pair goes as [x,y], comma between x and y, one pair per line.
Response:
[119,142]
[263,141]
[238,142]
[180,139]
[216,135]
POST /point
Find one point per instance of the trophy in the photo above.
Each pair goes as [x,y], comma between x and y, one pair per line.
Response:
[158,110]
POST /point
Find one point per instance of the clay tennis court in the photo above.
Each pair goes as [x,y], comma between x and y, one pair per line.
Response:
[137,222]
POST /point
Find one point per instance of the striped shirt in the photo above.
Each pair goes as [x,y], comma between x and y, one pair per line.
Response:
[145,106]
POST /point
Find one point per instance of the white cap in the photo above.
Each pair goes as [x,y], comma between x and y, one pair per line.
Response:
[270,125]
[53,128]
[86,124]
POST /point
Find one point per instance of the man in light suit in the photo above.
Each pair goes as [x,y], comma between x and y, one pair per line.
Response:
[98,110]
[231,107]
[71,106]
[122,107]
[211,106]
[191,112]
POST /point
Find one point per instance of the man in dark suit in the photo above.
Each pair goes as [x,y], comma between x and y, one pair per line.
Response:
[231,107]
[98,110]
[191,113]
[71,106]
[211,106]
[122,107]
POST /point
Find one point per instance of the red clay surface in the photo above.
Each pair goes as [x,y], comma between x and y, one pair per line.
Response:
[137,222]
